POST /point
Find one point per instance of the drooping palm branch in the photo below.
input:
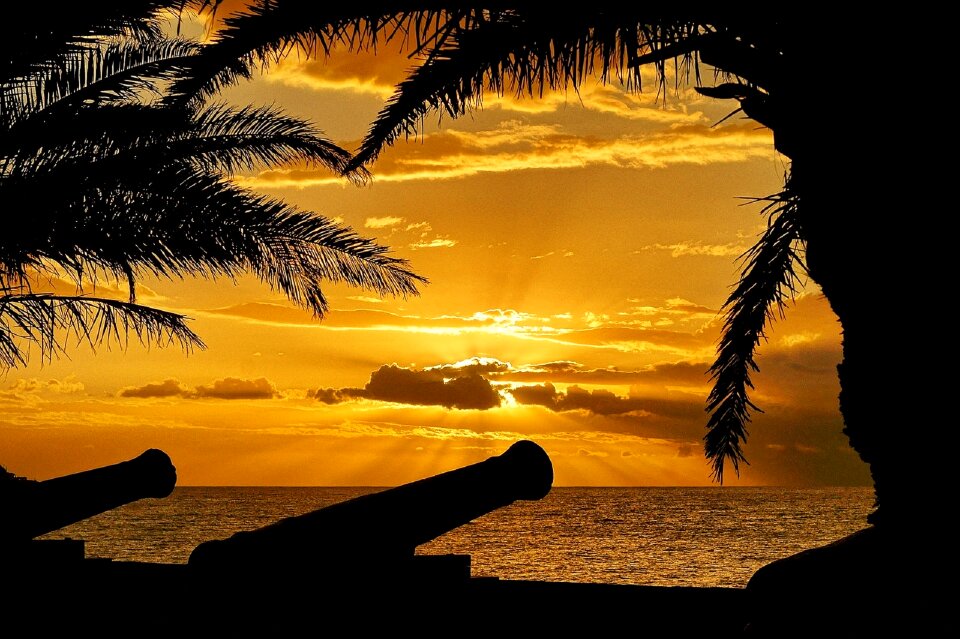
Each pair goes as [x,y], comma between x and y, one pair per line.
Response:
[769,280]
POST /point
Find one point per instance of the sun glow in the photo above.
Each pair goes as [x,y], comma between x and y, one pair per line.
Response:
[507,400]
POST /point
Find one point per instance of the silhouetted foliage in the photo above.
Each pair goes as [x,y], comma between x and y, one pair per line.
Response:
[769,279]
[112,183]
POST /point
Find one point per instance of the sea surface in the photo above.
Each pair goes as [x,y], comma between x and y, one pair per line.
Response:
[650,536]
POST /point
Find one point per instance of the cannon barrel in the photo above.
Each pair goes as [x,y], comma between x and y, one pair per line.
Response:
[41,507]
[388,525]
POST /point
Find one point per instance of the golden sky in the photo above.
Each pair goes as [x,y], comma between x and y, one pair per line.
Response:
[579,248]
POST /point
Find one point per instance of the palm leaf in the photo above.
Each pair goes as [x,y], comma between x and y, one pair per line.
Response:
[524,54]
[133,139]
[118,71]
[51,323]
[264,32]
[41,35]
[177,222]
[769,279]
[229,139]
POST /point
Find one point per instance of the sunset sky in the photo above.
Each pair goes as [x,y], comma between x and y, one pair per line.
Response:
[579,248]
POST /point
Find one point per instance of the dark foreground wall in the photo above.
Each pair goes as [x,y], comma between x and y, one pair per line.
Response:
[139,599]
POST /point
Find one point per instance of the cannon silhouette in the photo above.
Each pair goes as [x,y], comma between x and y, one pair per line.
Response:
[35,508]
[381,530]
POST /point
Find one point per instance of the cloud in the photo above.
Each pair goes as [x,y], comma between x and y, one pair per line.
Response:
[382,222]
[360,72]
[683,373]
[55,386]
[428,387]
[583,452]
[680,305]
[364,298]
[374,319]
[684,249]
[166,388]
[331,395]
[361,319]
[514,146]
[234,388]
[630,338]
[563,366]
[226,388]
[437,242]
[473,365]
[604,402]
[688,450]
[625,336]
[479,383]
[58,282]
[796,339]
[367,73]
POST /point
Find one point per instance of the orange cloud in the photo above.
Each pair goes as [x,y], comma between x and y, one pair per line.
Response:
[34,385]
[683,373]
[604,402]
[381,222]
[226,388]
[682,249]
[514,146]
[234,388]
[166,388]
[362,72]
[625,335]
[57,282]
[437,242]
[377,73]
[424,387]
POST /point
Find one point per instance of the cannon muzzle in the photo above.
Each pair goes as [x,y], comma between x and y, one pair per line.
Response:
[41,507]
[385,526]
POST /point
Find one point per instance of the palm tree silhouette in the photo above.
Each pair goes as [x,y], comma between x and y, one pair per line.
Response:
[762,61]
[120,185]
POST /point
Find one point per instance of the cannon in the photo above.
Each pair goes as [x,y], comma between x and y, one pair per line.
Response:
[34,508]
[383,529]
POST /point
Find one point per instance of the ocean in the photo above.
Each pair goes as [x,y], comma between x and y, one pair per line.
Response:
[649,536]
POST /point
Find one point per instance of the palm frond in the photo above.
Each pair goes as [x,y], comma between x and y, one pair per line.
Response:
[117,71]
[230,139]
[769,279]
[41,35]
[53,323]
[68,139]
[267,31]
[176,222]
[102,144]
[526,54]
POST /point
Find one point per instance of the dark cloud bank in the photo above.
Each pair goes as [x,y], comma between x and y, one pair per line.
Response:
[226,388]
